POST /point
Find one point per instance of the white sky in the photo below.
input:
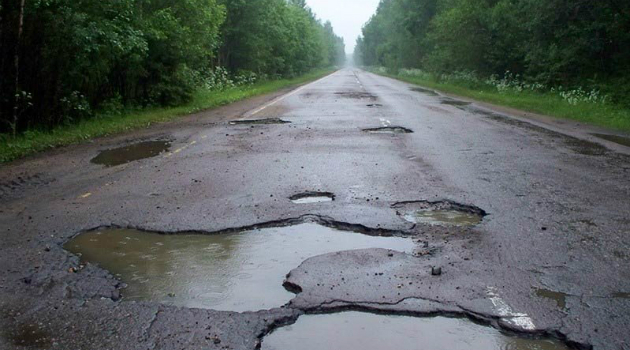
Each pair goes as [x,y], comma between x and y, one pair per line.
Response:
[346,16]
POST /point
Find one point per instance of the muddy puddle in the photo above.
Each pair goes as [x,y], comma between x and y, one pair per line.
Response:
[259,121]
[217,271]
[439,213]
[130,153]
[559,298]
[389,130]
[424,91]
[365,331]
[312,197]
[625,141]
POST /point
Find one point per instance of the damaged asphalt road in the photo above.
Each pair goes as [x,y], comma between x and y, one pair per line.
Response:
[552,198]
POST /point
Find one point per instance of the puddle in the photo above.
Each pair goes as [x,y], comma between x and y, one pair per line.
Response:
[136,151]
[625,141]
[443,213]
[312,197]
[218,271]
[365,331]
[559,298]
[425,91]
[389,130]
[259,121]
[29,336]
[455,103]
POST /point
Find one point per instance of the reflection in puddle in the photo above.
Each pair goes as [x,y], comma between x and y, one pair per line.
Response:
[241,271]
[131,153]
[442,217]
[312,197]
[389,130]
[357,330]
[559,298]
[615,138]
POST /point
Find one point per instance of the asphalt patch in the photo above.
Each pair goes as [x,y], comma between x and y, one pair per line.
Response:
[439,213]
[216,271]
[367,331]
[312,197]
[130,153]
[389,130]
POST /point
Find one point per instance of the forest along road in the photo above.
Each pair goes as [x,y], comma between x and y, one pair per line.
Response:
[515,224]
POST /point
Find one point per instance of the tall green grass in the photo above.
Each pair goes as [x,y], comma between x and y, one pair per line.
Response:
[34,141]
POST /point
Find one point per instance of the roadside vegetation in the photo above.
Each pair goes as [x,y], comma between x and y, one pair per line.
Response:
[568,59]
[75,69]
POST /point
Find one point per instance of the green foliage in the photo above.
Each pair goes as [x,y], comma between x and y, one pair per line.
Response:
[78,58]
[552,42]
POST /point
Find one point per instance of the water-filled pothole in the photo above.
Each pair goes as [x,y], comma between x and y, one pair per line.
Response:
[130,153]
[389,130]
[29,336]
[442,213]
[312,197]
[456,103]
[559,298]
[425,91]
[625,141]
[259,121]
[241,271]
[365,331]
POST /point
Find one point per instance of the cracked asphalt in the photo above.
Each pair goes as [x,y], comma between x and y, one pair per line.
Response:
[556,199]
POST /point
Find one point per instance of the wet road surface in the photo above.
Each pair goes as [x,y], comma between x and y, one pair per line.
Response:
[548,256]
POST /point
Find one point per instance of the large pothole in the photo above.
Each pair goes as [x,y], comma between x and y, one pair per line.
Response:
[130,153]
[312,197]
[259,121]
[440,213]
[240,271]
[366,331]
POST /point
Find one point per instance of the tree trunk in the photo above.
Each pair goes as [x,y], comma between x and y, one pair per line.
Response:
[16,63]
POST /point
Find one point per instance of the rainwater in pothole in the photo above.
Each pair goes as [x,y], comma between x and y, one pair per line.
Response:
[241,271]
[625,141]
[259,121]
[440,213]
[130,153]
[559,298]
[425,91]
[312,197]
[455,103]
[365,331]
[29,336]
[389,130]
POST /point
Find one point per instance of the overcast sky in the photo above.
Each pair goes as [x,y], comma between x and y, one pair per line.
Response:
[346,16]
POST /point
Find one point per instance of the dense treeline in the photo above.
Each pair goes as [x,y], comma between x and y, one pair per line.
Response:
[552,42]
[62,60]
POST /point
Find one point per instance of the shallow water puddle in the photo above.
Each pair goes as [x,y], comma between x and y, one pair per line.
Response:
[312,197]
[241,271]
[365,331]
[259,121]
[389,130]
[130,153]
[443,213]
[625,141]
[559,298]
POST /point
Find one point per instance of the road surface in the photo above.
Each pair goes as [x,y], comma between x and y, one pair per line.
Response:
[552,255]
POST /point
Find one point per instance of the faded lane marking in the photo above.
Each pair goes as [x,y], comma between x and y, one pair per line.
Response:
[505,311]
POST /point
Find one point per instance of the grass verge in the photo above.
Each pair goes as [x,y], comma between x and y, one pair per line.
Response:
[34,141]
[606,115]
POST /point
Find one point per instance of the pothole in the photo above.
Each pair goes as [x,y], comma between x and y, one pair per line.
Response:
[456,103]
[259,121]
[239,271]
[366,331]
[130,153]
[312,197]
[625,141]
[356,95]
[442,213]
[29,336]
[559,298]
[621,295]
[389,130]
[425,91]
[375,105]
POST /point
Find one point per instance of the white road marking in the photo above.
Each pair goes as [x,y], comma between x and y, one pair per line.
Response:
[505,311]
